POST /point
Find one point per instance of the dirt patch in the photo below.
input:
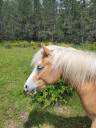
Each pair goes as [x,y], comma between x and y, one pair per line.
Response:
[24,116]
[10,124]
[60,108]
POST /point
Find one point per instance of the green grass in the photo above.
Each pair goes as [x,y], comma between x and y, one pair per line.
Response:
[17,110]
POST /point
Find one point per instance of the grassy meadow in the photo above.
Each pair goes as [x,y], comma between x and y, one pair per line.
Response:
[17,110]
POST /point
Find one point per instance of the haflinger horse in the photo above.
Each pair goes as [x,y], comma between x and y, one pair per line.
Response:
[75,66]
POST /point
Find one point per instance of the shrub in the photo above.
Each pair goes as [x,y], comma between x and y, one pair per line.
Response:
[89,46]
[22,44]
[37,44]
[59,93]
[7,45]
[34,45]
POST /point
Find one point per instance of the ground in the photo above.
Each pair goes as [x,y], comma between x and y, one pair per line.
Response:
[17,110]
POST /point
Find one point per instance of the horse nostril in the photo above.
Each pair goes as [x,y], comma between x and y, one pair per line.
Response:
[26,86]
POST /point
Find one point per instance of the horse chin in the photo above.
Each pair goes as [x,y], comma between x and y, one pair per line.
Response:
[31,93]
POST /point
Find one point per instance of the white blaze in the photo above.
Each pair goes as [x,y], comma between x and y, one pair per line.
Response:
[31,85]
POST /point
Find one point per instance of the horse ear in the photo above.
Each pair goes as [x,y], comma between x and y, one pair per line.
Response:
[46,51]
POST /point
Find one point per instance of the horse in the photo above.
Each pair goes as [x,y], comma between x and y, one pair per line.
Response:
[76,67]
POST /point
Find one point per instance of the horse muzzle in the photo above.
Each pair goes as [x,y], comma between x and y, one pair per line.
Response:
[31,92]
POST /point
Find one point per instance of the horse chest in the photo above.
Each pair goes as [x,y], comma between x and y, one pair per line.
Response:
[88,99]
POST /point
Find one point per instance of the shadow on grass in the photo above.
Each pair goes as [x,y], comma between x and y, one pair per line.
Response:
[37,118]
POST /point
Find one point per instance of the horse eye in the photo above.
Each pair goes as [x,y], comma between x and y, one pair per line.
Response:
[39,67]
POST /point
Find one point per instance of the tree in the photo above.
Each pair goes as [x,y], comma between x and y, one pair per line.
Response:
[24,19]
[8,19]
[37,19]
[49,13]
[1,4]
[92,14]
[48,20]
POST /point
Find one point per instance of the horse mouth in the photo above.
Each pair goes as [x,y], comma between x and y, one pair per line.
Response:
[31,93]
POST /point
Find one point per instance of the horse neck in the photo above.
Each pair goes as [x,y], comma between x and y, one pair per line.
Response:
[68,74]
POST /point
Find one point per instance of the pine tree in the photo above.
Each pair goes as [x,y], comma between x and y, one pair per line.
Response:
[49,18]
[8,20]
[1,4]
[37,19]
[24,18]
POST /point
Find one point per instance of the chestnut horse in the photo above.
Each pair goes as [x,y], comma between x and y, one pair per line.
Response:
[75,66]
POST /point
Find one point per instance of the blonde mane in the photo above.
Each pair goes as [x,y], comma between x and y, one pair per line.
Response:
[76,66]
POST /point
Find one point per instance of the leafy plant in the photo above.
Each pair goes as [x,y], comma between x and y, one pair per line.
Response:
[54,94]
